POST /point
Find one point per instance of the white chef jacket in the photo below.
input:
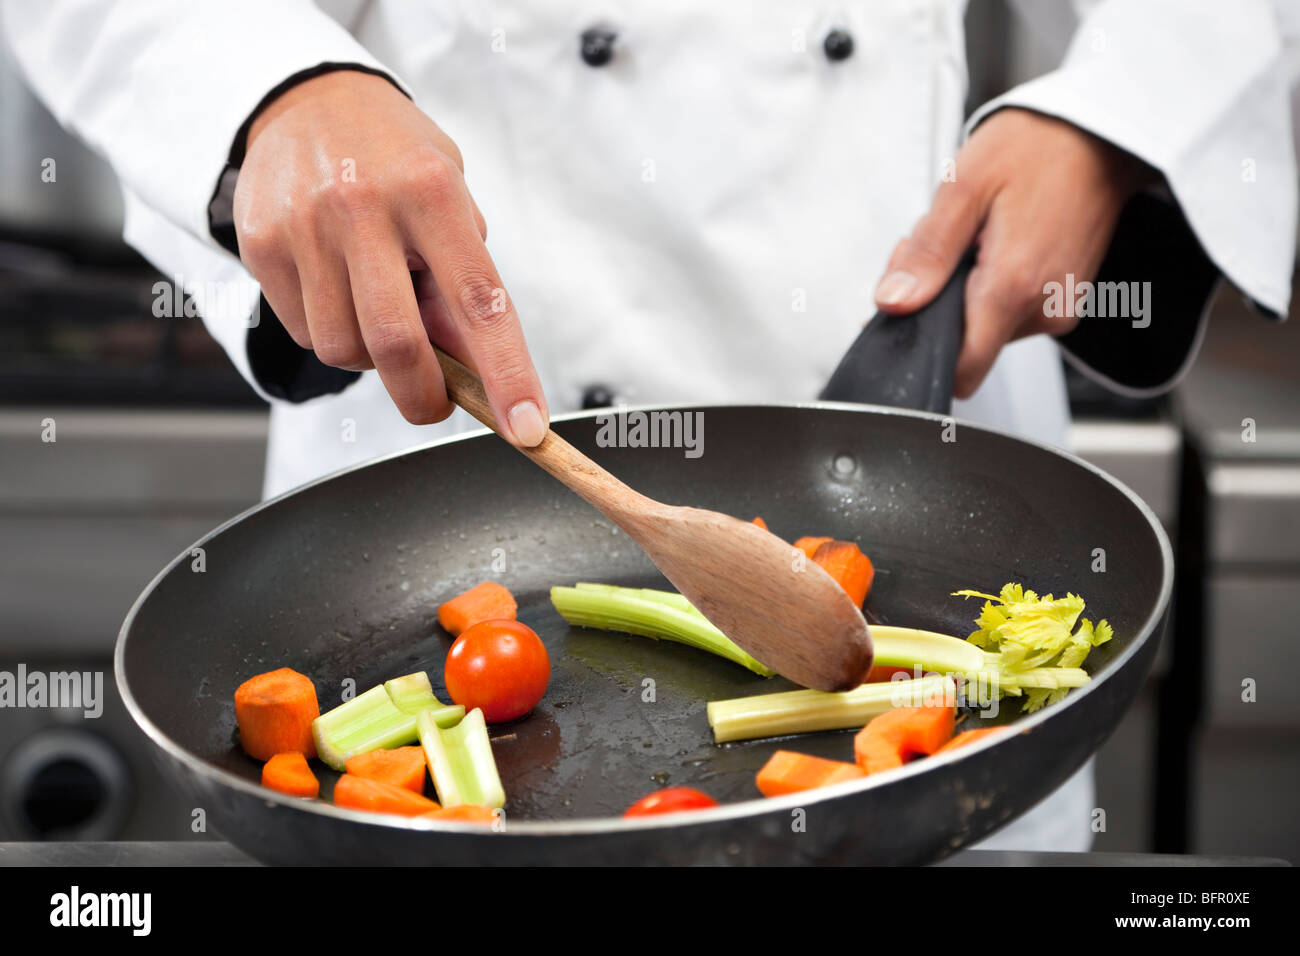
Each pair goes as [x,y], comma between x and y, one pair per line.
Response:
[704,218]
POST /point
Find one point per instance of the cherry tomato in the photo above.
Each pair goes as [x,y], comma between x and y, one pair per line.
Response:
[499,666]
[672,800]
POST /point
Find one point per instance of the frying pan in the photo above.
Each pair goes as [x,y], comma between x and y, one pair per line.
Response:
[341,579]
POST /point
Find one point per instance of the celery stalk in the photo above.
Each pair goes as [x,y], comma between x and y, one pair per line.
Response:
[369,721]
[412,693]
[1050,678]
[661,615]
[461,762]
[809,711]
[937,653]
[670,598]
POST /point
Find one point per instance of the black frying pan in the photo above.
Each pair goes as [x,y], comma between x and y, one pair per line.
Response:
[341,579]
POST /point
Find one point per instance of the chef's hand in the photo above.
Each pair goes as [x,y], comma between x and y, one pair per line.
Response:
[1041,198]
[346,189]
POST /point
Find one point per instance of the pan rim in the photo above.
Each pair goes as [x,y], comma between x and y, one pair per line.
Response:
[594,826]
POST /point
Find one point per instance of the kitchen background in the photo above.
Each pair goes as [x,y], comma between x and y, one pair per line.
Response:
[160,441]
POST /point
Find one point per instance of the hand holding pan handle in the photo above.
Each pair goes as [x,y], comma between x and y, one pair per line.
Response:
[908,361]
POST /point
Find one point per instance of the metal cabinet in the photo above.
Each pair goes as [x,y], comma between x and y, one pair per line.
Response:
[85,523]
[1241,406]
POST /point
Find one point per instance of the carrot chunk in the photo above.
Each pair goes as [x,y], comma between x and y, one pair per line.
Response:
[845,562]
[289,773]
[488,601]
[376,796]
[790,772]
[464,813]
[274,712]
[877,754]
[760,522]
[897,735]
[809,546]
[401,766]
[969,737]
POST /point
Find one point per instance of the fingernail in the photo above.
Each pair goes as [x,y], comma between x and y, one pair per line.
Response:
[526,423]
[895,287]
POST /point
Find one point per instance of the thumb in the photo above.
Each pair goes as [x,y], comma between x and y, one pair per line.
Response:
[922,263]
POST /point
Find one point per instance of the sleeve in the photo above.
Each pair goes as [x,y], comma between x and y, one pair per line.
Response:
[164,91]
[1200,90]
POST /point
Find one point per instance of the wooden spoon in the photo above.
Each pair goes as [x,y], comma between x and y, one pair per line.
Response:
[786,612]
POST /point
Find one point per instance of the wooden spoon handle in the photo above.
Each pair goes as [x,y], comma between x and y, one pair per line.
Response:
[578,472]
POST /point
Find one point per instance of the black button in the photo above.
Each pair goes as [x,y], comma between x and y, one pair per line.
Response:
[838,45]
[597,396]
[598,46]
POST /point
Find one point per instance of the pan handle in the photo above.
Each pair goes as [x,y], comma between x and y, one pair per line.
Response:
[907,361]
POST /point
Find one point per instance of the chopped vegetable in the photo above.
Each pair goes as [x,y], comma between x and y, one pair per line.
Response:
[663,615]
[464,813]
[809,546]
[760,522]
[789,772]
[898,651]
[376,796]
[488,601]
[369,721]
[499,667]
[851,569]
[910,648]
[809,711]
[970,737]
[896,736]
[1024,633]
[401,766]
[667,615]
[461,762]
[670,800]
[412,693]
[289,773]
[275,713]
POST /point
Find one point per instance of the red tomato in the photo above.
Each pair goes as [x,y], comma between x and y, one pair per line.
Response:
[672,800]
[500,666]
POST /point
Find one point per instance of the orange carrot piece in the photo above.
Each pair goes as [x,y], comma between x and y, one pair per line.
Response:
[379,797]
[289,773]
[920,730]
[488,601]
[464,813]
[897,735]
[809,546]
[790,772]
[760,522]
[845,562]
[402,766]
[274,712]
[876,754]
[969,737]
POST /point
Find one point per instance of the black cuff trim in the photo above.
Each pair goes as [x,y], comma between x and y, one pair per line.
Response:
[1153,243]
[286,370]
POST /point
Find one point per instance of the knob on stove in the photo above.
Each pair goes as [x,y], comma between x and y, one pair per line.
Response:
[64,784]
